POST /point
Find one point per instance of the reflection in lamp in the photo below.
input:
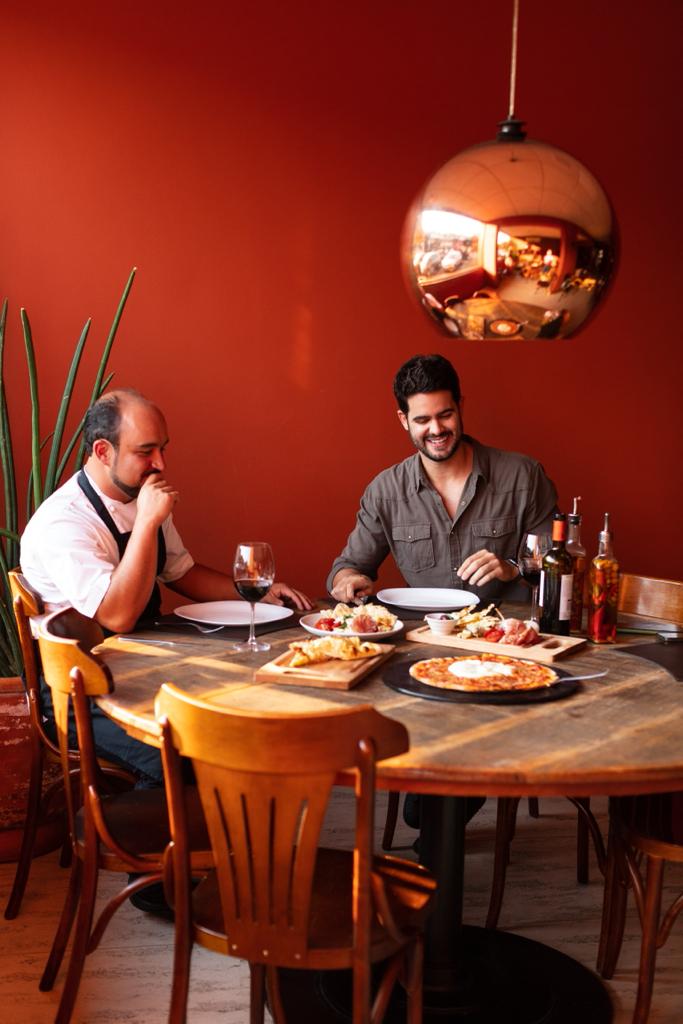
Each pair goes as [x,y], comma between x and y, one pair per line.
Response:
[517,231]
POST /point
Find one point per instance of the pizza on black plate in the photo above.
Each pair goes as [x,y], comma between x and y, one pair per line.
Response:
[483,673]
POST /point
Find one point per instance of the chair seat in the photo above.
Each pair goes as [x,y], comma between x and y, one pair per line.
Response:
[138,820]
[652,823]
[409,890]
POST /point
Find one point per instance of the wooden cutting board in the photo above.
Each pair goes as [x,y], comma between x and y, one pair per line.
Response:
[548,649]
[329,675]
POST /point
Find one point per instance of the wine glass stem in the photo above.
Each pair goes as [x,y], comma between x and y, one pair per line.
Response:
[252,631]
[534,603]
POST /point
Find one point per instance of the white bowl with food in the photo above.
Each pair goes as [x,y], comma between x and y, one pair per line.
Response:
[440,623]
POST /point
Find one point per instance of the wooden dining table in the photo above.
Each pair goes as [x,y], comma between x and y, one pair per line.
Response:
[619,734]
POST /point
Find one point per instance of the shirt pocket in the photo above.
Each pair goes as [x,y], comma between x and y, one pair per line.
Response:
[413,546]
[497,535]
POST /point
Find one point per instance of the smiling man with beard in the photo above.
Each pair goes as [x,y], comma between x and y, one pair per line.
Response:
[454,514]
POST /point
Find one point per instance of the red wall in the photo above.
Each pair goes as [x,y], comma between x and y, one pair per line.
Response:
[256,165]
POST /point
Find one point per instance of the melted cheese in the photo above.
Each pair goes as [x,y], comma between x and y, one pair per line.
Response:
[473,669]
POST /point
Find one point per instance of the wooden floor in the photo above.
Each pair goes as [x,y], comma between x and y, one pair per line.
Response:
[127,980]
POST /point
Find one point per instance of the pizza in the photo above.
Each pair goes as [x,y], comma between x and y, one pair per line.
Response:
[325,648]
[483,673]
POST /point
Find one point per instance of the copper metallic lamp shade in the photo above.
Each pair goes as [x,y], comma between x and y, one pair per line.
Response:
[512,238]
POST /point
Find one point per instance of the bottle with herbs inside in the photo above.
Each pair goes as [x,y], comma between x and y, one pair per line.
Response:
[578,556]
[604,590]
[555,597]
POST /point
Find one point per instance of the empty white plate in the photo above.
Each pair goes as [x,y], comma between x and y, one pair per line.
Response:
[428,599]
[231,613]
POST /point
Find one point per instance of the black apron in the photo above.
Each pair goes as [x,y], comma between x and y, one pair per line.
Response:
[153,606]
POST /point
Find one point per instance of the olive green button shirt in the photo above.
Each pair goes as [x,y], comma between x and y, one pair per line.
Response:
[506,495]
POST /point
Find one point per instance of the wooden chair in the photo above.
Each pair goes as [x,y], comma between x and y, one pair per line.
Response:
[275,898]
[125,832]
[27,605]
[651,597]
[645,833]
[640,595]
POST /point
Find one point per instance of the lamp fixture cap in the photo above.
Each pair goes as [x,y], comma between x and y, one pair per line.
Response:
[511,130]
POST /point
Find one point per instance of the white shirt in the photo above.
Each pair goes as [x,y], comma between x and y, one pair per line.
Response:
[68,554]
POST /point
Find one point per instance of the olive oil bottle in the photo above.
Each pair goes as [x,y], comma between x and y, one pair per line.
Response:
[578,554]
[604,590]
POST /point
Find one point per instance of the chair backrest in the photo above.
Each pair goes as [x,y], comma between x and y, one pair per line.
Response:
[26,604]
[646,595]
[264,781]
[65,640]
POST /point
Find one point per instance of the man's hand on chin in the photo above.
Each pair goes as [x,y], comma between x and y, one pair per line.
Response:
[483,566]
[282,594]
[156,499]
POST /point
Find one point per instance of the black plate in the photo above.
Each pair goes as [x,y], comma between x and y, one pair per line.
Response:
[397,677]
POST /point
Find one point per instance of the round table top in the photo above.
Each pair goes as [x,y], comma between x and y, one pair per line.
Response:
[619,734]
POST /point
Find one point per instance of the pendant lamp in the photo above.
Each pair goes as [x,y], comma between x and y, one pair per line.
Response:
[512,238]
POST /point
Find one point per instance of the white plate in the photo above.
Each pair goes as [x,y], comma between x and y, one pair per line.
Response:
[231,613]
[428,599]
[307,621]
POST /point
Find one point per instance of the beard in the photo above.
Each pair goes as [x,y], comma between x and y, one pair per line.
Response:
[443,454]
[131,490]
[127,489]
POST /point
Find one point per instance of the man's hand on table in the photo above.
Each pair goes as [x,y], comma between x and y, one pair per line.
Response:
[483,566]
[281,594]
[350,586]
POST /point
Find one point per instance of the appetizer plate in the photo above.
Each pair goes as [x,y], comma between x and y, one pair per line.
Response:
[231,613]
[428,599]
[308,622]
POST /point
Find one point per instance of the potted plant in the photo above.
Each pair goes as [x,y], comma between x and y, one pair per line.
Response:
[51,455]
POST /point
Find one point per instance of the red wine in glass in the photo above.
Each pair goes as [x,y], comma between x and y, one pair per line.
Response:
[531,573]
[530,563]
[252,590]
[253,573]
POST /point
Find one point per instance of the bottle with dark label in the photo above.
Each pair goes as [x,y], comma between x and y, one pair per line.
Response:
[604,590]
[555,597]
[578,556]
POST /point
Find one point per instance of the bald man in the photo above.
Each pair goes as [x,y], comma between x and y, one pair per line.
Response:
[104,539]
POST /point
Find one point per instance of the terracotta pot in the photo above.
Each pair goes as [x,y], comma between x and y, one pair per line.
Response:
[15,759]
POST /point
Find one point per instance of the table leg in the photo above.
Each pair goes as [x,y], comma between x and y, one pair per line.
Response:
[471,975]
[481,976]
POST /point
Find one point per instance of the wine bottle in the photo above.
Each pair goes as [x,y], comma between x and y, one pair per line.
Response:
[604,590]
[555,597]
[578,556]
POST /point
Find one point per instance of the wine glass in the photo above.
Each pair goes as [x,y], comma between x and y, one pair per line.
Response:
[530,562]
[253,573]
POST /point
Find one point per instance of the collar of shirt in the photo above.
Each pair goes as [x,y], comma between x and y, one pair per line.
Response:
[480,467]
[123,512]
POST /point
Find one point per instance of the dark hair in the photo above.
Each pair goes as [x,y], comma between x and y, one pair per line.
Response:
[103,419]
[423,374]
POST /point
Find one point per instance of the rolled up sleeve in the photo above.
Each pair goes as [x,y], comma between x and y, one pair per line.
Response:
[367,546]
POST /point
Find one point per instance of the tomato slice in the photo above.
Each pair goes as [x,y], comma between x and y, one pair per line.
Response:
[493,634]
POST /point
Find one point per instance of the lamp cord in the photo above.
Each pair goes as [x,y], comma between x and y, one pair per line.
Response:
[513,62]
